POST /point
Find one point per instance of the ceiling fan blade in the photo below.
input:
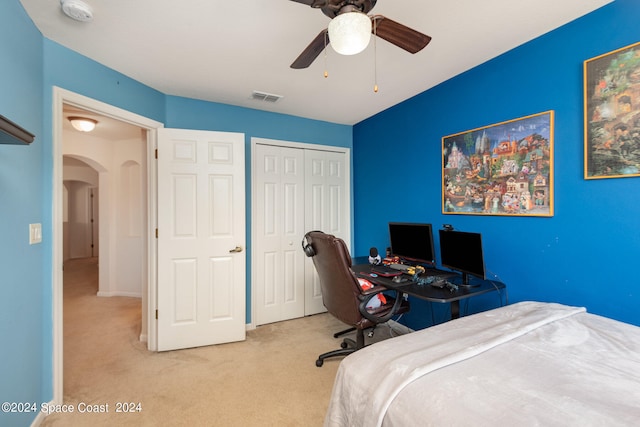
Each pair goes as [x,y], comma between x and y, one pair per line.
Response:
[400,35]
[312,51]
[312,3]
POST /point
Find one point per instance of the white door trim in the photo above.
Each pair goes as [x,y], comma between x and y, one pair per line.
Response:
[254,214]
[60,97]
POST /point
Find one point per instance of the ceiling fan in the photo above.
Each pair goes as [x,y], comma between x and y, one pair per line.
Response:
[338,10]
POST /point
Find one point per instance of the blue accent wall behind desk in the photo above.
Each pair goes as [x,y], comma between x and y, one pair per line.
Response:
[587,253]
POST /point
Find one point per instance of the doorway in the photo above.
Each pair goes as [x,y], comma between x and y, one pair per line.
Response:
[104,177]
[65,99]
[80,217]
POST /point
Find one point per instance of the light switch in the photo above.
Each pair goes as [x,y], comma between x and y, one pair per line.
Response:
[35,233]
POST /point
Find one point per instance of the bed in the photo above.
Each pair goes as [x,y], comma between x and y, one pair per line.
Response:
[525,364]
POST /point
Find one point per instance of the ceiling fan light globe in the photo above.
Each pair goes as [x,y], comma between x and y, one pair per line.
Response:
[349,33]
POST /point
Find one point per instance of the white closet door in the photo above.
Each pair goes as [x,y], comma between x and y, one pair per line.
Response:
[279,263]
[327,199]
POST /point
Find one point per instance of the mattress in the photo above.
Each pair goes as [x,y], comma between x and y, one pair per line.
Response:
[525,364]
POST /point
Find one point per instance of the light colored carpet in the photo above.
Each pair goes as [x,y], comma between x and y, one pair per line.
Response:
[268,380]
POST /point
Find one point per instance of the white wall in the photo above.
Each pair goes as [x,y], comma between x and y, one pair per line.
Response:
[117,169]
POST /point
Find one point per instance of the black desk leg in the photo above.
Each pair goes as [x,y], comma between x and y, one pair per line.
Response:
[455,309]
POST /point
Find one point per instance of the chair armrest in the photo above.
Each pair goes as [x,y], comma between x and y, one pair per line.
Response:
[370,293]
[376,289]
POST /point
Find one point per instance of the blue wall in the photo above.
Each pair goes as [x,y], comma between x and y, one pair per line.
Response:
[539,258]
[548,259]
[31,67]
[22,325]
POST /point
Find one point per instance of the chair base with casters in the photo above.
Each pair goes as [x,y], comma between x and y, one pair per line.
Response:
[341,333]
[347,345]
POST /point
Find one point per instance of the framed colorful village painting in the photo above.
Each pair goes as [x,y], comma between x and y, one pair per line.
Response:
[502,169]
[612,114]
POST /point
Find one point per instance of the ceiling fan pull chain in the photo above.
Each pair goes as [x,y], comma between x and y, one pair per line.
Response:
[326,73]
[375,55]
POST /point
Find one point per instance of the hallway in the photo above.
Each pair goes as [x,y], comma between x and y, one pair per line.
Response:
[95,331]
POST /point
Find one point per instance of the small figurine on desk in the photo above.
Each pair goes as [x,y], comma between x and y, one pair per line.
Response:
[422,280]
[451,286]
[442,283]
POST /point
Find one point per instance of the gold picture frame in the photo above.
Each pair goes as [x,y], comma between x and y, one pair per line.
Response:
[501,169]
[612,114]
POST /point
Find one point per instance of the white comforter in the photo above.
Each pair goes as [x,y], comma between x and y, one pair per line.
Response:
[527,364]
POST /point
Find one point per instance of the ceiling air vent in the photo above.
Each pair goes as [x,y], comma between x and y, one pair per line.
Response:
[266,97]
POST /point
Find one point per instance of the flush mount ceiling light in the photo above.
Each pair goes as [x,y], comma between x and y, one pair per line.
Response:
[77,9]
[350,32]
[83,124]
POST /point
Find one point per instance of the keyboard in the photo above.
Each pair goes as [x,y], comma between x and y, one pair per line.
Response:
[385,271]
[438,273]
[392,270]
[400,267]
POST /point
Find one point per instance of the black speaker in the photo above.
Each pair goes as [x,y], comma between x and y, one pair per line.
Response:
[306,247]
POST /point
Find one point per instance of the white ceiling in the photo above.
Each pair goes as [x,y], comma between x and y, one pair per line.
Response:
[223,50]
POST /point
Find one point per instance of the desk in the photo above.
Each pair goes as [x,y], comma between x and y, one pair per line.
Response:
[432,293]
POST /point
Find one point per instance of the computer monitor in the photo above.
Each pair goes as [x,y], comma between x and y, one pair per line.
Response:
[462,251]
[412,242]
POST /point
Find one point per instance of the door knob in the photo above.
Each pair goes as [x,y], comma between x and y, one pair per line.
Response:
[236,250]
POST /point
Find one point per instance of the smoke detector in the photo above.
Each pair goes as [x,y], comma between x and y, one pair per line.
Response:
[77,9]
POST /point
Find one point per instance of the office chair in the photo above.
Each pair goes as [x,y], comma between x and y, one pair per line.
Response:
[341,292]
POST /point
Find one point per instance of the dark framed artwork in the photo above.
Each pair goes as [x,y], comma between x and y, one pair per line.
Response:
[612,114]
[501,169]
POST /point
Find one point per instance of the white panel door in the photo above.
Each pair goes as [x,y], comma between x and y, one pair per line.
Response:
[201,238]
[279,225]
[327,209]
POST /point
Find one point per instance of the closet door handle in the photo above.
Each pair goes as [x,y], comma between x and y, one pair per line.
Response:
[236,250]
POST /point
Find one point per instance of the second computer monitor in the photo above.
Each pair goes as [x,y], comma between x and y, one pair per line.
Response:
[462,251]
[412,242]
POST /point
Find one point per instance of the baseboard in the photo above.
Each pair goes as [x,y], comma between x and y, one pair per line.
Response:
[40,417]
[119,294]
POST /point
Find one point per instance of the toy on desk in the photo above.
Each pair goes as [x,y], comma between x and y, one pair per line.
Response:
[436,282]
[391,260]
[415,270]
[422,280]
[442,283]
